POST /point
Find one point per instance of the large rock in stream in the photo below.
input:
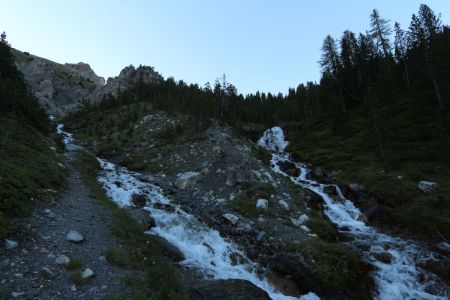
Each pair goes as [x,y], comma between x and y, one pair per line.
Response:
[235,289]
[168,249]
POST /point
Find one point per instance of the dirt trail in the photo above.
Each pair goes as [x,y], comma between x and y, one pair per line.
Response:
[42,239]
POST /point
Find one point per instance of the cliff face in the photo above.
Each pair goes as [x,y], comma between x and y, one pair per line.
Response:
[61,88]
[58,88]
[86,71]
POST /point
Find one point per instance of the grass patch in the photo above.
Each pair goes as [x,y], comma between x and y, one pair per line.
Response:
[76,277]
[29,165]
[117,257]
[141,254]
[74,264]
[247,207]
[415,148]
[322,227]
[337,267]
[245,204]
[261,154]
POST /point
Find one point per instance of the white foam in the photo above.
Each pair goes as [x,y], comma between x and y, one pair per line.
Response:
[204,248]
[67,137]
[396,280]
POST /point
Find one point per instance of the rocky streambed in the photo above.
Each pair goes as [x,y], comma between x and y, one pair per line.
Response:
[189,241]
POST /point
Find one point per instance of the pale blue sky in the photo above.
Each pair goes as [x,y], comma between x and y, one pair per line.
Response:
[259,44]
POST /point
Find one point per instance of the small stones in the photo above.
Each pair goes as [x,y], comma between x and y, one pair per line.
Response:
[231,218]
[87,273]
[304,228]
[10,244]
[284,204]
[262,203]
[47,273]
[74,236]
[260,236]
[62,260]
[17,294]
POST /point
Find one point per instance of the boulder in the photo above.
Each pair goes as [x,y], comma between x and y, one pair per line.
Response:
[168,249]
[243,226]
[284,204]
[289,168]
[231,218]
[262,203]
[139,200]
[384,257]
[356,187]
[315,201]
[62,260]
[74,236]
[319,173]
[87,273]
[147,178]
[443,247]
[149,222]
[10,244]
[225,289]
[330,190]
[187,179]
[302,219]
[428,186]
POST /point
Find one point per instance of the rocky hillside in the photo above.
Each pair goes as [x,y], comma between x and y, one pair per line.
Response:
[63,88]
[59,88]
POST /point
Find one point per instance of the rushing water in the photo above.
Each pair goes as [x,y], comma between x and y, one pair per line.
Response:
[204,248]
[399,279]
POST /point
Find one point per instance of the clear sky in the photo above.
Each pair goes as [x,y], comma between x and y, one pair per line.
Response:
[259,44]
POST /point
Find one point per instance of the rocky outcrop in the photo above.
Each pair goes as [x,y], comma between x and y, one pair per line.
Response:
[62,88]
[58,88]
[187,179]
[127,78]
[86,71]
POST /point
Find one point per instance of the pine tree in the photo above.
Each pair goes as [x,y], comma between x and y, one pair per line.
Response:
[401,50]
[380,31]
[330,59]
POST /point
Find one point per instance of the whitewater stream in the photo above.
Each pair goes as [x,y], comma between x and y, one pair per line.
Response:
[399,279]
[204,248]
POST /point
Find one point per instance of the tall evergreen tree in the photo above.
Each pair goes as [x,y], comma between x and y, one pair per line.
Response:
[380,31]
[401,50]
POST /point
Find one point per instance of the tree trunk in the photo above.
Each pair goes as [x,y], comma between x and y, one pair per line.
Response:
[436,88]
[406,73]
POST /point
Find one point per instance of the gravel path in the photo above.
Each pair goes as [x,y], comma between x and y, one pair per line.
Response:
[42,239]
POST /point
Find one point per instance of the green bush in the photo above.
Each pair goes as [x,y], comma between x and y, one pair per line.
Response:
[338,268]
